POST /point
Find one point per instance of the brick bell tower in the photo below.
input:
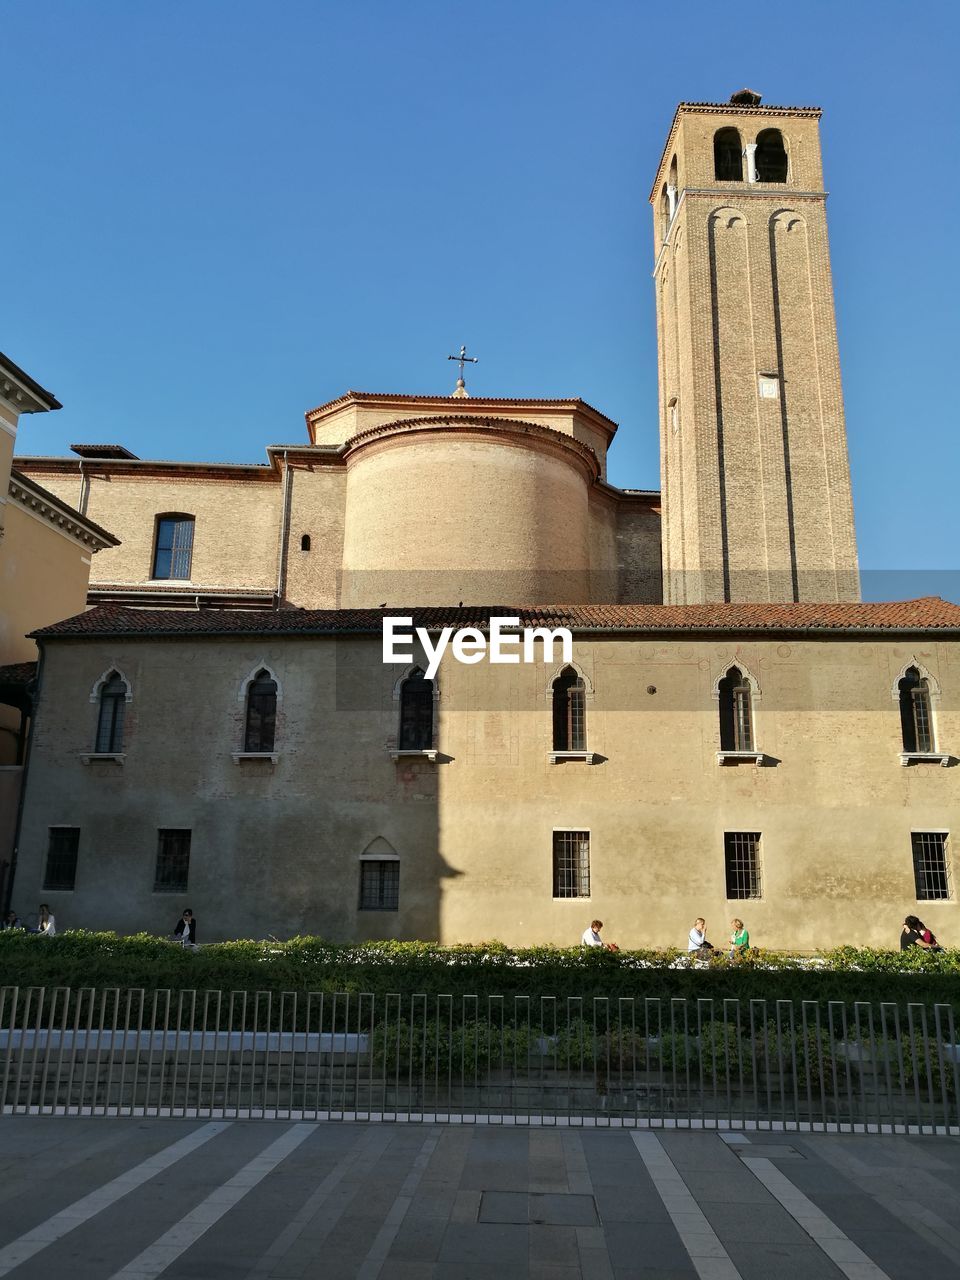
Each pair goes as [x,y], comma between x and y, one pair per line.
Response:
[753,452]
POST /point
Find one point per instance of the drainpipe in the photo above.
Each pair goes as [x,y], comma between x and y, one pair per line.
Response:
[284,529]
[84,490]
[12,871]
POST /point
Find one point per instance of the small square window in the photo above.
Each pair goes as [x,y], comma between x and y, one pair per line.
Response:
[173,861]
[571,864]
[930,864]
[769,387]
[62,849]
[741,855]
[380,884]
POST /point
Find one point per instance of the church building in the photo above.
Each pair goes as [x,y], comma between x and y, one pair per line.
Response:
[734,732]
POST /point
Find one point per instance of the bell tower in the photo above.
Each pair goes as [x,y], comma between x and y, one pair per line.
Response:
[753,452]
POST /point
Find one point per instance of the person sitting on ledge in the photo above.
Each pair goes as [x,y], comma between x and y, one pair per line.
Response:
[591,937]
[697,944]
[916,934]
[186,930]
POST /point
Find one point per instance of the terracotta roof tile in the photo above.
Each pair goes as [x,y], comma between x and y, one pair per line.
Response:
[20,673]
[930,613]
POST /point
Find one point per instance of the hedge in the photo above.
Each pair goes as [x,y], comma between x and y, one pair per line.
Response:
[106,960]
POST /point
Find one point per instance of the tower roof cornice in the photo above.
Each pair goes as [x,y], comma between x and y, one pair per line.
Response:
[721,109]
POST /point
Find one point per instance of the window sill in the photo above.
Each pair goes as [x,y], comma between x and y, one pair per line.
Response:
[94,757]
[740,757]
[267,757]
[559,757]
[428,753]
[925,757]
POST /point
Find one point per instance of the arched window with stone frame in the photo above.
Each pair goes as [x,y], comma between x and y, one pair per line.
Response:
[727,155]
[735,694]
[770,157]
[916,713]
[569,712]
[260,718]
[113,697]
[416,730]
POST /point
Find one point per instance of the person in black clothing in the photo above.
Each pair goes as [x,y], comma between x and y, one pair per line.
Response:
[916,934]
[186,930]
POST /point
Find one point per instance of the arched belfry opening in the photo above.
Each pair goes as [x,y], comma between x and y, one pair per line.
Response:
[771,156]
[727,156]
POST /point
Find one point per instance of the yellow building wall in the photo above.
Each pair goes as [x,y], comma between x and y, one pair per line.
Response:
[276,848]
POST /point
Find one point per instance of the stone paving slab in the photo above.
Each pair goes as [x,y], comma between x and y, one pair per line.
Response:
[430,1202]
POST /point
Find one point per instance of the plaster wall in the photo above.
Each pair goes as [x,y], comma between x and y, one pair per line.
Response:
[276,849]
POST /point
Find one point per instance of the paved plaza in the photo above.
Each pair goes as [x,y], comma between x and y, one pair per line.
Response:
[128,1199]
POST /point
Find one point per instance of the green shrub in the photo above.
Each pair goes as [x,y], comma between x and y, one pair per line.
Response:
[536,983]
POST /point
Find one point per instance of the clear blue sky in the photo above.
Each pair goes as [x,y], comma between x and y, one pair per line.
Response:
[217,215]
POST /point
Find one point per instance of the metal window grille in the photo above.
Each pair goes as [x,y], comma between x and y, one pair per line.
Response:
[930,864]
[62,849]
[416,713]
[113,702]
[174,550]
[741,851]
[173,861]
[379,885]
[569,713]
[260,733]
[571,864]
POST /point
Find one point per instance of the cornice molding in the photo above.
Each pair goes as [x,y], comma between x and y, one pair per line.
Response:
[63,518]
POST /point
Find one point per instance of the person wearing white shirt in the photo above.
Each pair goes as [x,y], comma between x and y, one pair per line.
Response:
[591,937]
[697,940]
[46,924]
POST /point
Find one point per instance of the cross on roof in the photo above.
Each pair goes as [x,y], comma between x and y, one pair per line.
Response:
[463,359]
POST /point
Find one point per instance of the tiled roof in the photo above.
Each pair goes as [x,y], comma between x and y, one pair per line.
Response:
[929,613]
[18,673]
[103,451]
[456,400]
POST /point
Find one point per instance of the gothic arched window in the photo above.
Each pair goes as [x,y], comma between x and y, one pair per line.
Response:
[916,720]
[736,712]
[569,712]
[727,156]
[771,156]
[416,713]
[261,721]
[113,703]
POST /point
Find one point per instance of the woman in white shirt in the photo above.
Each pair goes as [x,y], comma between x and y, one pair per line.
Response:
[46,924]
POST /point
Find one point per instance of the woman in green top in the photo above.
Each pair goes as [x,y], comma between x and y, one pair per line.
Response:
[739,939]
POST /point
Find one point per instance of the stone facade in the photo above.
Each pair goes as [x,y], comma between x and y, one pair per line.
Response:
[276,845]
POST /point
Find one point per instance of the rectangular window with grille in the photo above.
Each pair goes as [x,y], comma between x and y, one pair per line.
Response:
[571,864]
[380,884]
[62,849]
[173,861]
[930,864]
[741,854]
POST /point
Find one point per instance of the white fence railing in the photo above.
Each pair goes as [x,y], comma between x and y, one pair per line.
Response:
[550,1059]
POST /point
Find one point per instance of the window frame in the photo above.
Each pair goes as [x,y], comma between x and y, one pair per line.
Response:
[262,740]
[579,872]
[732,131]
[918,872]
[111,743]
[61,886]
[161,885]
[733,868]
[178,519]
[415,743]
[381,862]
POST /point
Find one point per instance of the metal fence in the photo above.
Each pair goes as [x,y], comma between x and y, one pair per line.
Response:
[779,1064]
